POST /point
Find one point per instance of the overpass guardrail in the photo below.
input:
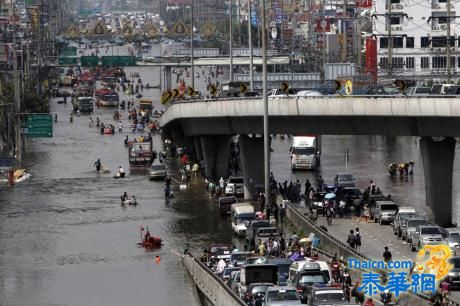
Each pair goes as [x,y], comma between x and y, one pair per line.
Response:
[214,288]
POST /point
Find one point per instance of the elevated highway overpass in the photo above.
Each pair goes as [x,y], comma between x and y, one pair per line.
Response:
[211,124]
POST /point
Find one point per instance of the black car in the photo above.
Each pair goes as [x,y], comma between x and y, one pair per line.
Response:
[350,194]
[62,93]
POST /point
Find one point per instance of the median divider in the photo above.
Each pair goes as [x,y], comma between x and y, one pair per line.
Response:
[209,284]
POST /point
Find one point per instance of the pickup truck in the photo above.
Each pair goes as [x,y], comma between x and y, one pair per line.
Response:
[403,213]
[427,234]
[253,227]
[410,226]
[384,211]
[264,233]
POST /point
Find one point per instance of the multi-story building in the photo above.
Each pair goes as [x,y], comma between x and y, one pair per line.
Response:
[419,36]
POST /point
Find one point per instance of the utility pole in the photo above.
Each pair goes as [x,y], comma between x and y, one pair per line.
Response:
[231,41]
[390,42]
[251,52]
[449,63]
[17,99]
[265,100]
[323,25]
[191,47]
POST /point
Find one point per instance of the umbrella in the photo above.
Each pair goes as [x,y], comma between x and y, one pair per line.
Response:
[329,195]
[294,237]
[304,240]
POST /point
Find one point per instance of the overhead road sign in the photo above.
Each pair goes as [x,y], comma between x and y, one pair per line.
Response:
[67,60]
[89,61]
[40,125]
[69,51]
[118,61]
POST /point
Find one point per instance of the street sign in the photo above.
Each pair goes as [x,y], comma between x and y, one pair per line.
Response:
[40,125]
[67,60]
[180,28]
[89,61]
[213,89]
[190,91]
[165,97]
[284,86]
[69,51]
[175,93]
[243,88]
[117,61]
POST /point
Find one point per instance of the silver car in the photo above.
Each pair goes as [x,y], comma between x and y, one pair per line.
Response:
[403,213]
[427,234]
[411,224]
[157,172]
[384,211]
[281,295]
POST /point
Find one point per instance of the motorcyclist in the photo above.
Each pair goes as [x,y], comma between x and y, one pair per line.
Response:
[335,264]
[385,297]
[221,265]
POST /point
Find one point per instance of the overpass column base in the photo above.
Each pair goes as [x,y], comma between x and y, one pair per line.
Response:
[438,165]
[216,152]
[198,149]
[252,162]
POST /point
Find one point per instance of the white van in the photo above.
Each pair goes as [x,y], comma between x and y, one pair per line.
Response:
[241,215]
[298,266]
[304,152]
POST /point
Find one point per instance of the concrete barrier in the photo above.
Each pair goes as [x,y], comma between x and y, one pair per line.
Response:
[211,286]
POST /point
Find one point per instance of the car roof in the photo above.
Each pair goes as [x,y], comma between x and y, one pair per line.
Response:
[277,288]
[429,226]
[453,230]
[406,209]
[385,202]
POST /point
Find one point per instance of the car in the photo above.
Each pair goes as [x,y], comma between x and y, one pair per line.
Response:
[427,234]
[309,93]
[453,236]
[252,228]
[228,272]
[157,172]
[265,233]
[253,290]
[344,180]
[379,90]
[453,90]
[418,91]
[327,295]
[309,275]
[234,281]
[349,194]
[403,213]
[62,93]
[384,211]
[280,296]
[453,277]
[234,186]
[238,258]
[410,225]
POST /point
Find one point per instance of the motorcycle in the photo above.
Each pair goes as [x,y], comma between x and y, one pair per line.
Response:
[336,271]
[131,201]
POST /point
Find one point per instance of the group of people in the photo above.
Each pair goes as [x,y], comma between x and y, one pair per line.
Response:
[404,169]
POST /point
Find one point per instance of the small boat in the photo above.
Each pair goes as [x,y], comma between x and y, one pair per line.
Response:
[152,242]
[132,201]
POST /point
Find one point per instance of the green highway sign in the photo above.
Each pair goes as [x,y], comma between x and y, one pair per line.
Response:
[89,61]
[68,60]
[69,51]
[118,61]
[40,125]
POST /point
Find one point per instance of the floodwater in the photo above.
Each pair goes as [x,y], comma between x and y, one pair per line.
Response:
[66,240]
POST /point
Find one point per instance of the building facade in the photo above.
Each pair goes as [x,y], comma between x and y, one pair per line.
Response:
[419,36]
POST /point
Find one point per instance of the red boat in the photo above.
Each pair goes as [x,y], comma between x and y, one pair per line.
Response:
[152,242]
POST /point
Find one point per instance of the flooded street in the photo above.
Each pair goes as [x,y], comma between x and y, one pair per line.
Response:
[66,240]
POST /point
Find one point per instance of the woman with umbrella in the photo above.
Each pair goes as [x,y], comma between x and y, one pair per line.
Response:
[328,209]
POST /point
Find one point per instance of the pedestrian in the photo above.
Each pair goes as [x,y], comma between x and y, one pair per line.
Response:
[120,127]
[282,213]
[372,187]
[320,183]
[357,239]
[351,239]
[307,188]
[387,255]
[98,165]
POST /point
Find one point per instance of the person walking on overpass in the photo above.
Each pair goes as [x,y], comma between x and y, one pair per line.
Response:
[387,255]
[351,239]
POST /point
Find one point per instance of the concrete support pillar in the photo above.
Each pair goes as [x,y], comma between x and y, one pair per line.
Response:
[198,149]
[168,78]
[438,163]
[252,162]
[216,152]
